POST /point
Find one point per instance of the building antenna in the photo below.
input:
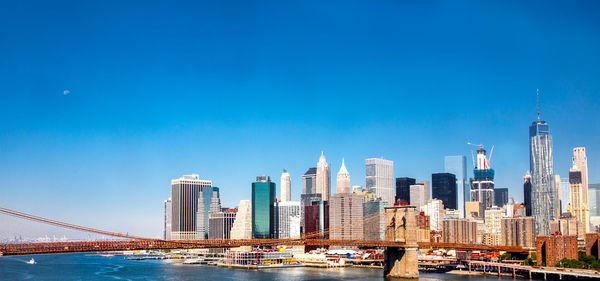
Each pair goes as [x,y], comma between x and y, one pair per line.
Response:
[538,104]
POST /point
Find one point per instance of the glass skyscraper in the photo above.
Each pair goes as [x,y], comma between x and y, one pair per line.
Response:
[543,191]
[443,187]
[457,165]
[264,211]
[403,189]
[594,197]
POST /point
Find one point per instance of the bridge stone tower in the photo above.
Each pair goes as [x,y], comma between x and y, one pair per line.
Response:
[401,226]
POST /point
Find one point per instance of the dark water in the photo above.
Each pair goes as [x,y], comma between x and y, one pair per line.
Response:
[81,267]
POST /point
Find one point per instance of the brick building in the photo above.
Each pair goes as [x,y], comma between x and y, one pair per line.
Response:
[550,249]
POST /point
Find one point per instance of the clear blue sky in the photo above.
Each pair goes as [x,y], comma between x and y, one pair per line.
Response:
[235,89]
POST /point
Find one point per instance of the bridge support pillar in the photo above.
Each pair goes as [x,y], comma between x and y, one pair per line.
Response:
[401,263]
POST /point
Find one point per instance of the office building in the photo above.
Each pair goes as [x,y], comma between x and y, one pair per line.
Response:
[565,226]
[543,193]
[289,219]
[380,178]
[346,217]
[309,181]
[208,201]
[374,221]
[220,224]
[184,203]
[579,206]
[482,184]
[459,231]
[556,182]
[435,211]
[565,195]
[168,219]
[518,231]
[457,165]
[500,196]
[323,181]
[316,220]
[343,179]
[242,225]
[286,186]
[493,218]
[403,189]
[443,187]
[264,212]
[427,188]
[594,199]
[307,200]
[527,194]
[417,195]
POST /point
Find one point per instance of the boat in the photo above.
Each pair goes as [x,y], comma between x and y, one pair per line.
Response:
[31,261]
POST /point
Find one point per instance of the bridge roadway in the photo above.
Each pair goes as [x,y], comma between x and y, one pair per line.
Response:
[151,244]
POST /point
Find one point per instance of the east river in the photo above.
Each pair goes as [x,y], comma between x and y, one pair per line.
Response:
[82,267]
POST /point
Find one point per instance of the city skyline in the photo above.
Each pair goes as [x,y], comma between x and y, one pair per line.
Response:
[90,137]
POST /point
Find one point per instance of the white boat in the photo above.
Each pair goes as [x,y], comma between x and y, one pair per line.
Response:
[31,261]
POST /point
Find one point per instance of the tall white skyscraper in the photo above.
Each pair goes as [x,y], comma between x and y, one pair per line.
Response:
[343,179]
[323,178]
[417,195]
[286,186]
[579,190]
[168,218]
[543,191]
[457,165]
[380,178]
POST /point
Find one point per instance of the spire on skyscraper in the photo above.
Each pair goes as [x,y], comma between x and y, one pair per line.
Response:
[343,169]
[538,104]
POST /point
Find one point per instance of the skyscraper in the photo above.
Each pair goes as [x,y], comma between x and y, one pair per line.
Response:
[426,189]
[323,178]
[457,165]
[543,193]
[417,195]
[309,181]
[168,218]
[289,219]
[184,195]
[374,222]
[220,224]
[242,225]
[565,195]
[482,185]
[264,212]
[343,180]
[579,208]
[594,198]
[527,194]
[286,186]
[380,178]
[345,217]
[403,189]
[500,196]
[443,187]
[208,201]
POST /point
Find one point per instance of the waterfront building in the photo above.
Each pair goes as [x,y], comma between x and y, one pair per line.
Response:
[380,178]
[220,224]
[289,219]
[264,212]
[345,217]
[550,249]
[286,186]
[482,184]
[426,188]
[309,181]
[527,194]
[374,221]
[316,220]
[323,179]
[500,196]
[242,225]
[518,231]
[417,195]
[208,201]
[594,199]
[457,165]
[473,210]
[493,218]
[343,180]
[168,219]
[435,210]
[403,189]
[184,195]
[579,207]
[543,193]
[459,231]
[443,187]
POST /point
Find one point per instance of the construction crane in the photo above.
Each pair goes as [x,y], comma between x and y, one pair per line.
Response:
[473,155]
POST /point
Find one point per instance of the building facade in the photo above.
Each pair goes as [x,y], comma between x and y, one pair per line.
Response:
[309,181]
[435,211]
[493,221]
[482,184]
[594,199]
[346,217]
[417,195]
[264,211]
[289,219]
[579,190]
[459,231]
[323,179]
[168,219]
[443,187]
[220,224]
[316,220]
[374,222]
[403,189]
[343,179]
[286,186]
[527,194]
[457,165]
[209,201]
[380,178]
[518,231]
[242,225]
[184,195]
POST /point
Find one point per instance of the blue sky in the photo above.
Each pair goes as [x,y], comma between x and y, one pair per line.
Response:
[236,89]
